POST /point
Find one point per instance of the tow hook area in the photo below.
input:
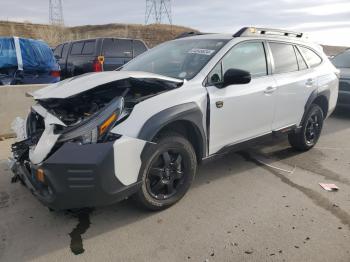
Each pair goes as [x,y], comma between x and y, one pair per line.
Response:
[15,178]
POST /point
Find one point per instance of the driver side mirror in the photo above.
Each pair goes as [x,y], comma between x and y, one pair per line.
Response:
[236,77]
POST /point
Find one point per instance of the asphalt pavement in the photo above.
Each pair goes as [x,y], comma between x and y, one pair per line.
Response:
[263,204]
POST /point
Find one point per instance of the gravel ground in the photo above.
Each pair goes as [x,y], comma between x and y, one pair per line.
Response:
[237,210]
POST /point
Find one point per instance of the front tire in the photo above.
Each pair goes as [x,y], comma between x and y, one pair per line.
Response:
[168,171]
[307,137]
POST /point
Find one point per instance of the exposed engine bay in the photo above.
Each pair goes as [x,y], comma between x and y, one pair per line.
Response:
[85,117]
[73,110]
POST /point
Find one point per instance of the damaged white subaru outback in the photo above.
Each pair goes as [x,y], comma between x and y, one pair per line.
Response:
[141,131]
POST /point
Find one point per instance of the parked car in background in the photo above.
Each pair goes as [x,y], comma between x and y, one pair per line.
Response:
[27,61]
[342,62]
[96,55]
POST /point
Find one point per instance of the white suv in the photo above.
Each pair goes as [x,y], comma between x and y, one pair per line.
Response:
[142,130]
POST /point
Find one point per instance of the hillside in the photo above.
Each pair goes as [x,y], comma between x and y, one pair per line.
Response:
[151,34]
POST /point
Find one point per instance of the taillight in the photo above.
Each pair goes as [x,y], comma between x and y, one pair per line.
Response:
[97,65]
[55,73]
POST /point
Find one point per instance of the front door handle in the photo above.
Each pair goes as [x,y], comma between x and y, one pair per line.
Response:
[269,90]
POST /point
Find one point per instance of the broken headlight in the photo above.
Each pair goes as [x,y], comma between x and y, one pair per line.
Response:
[95,128]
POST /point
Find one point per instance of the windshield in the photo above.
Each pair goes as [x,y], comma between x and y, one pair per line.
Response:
[181,59]
[342,60]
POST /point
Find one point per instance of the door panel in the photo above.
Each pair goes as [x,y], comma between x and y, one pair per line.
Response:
[247,112]
[292,93]
[242,111]
[294,82]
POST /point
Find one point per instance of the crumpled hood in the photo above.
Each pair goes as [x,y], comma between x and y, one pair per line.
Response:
[82,83]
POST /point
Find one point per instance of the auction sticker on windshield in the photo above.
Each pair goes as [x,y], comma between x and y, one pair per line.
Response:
[201,51]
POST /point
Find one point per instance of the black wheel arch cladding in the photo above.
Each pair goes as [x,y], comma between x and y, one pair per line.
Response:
[315,95]
[189,112]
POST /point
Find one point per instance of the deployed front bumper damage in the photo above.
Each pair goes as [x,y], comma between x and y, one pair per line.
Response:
[78,176]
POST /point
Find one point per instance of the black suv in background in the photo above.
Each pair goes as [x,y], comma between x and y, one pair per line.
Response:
[95,55]
[342,62]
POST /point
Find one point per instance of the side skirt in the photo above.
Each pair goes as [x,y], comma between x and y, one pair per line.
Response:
[273,137]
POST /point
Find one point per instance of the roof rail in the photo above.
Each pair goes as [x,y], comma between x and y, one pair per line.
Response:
[254,31]
[187,34]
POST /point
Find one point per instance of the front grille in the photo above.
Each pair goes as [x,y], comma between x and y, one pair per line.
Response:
[344,85]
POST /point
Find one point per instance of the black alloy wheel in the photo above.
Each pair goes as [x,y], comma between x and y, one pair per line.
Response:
[307,136]
[313,128]
[166,175]
[168,169]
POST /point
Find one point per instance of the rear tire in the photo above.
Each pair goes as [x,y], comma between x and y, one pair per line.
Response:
[168,172]
[307,137]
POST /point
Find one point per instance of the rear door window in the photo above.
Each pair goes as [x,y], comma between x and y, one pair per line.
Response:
[77,48]
[301,62]
[311,57]
[139,48]
[89,48]
[284,58]
[58,51]
[117,48]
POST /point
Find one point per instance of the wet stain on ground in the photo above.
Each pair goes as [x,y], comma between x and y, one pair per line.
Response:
[316,197]
[76,243]
[4,199]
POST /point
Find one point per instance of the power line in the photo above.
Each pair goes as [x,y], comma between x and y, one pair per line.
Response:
[157,10]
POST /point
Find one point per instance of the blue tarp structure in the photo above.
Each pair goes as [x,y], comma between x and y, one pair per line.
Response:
[36,54]
[8,56]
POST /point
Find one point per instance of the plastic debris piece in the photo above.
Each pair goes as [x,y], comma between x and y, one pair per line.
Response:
[275,167]
[329,187]
[17,126]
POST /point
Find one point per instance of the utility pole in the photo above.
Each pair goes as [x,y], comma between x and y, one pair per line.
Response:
[56,13]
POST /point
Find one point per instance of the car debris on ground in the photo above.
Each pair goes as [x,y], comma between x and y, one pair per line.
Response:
[329,187]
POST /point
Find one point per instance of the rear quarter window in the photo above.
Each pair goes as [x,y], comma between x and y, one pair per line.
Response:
[77,48]
[310,56]
[139,48]
[117,48]
[284,58]
[58,51]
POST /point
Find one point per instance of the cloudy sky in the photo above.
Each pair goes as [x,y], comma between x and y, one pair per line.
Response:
[326,21]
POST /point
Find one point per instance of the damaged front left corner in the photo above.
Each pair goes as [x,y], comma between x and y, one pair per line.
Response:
[87,114]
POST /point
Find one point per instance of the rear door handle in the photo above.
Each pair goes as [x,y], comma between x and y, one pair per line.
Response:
[269,90]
